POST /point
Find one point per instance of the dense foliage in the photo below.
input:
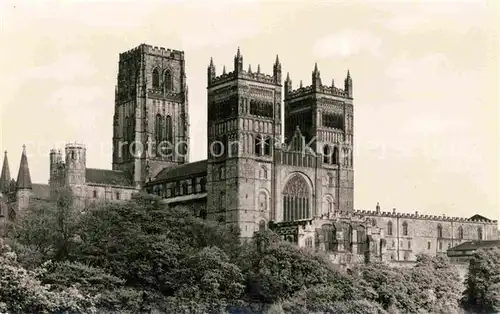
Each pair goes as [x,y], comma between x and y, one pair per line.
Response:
[482,294]
[140,257]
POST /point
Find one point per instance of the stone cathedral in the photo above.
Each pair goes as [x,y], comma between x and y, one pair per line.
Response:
[278,158]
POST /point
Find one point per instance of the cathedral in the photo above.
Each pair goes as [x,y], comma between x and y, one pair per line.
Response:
[287,169]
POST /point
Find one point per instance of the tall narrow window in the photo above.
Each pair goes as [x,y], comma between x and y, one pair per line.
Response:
[326,154]
[125,139]
[439,231]
[389,228]
[335,159]
[168,127]
[222,201]
[258,145]
[168,81]
[158,133]
[267,146]
[479,233]
[405,228]
[262,225]
[156,78]
[460,233]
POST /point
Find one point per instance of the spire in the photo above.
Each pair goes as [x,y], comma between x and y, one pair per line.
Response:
[238,62]
[5,176]
[277,60]
[23,177]
[333,83]
[249,68]
[211,62]
[224,70]
[258,68]
[377,208]
[300,85]
[316,78]
[348,84]
[288,76]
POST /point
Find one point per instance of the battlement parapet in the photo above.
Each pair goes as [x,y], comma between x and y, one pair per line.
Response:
[75,145]
[153,50]
[223,78]
[327,90]
[244,75]
[421,216]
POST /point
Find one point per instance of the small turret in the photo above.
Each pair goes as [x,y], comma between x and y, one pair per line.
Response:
[316,78]
[238,62]
[288,84]
[277,71]
[75,164]
[377,208]
[211,71]
[348,84]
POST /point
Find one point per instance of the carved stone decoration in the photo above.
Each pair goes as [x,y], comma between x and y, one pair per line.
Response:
[296,186]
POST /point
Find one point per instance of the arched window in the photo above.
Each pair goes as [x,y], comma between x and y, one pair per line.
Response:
[389,228]
[296,199]
[439,231]
[405,228]
[222,200]
[168,81]
[258,145]
[326,154]
[125,139]
[460,233]
[262,225]
[335,159]
[267,146]
[309,242]
[203,184]
[264,172]
[479,233]
[156,78]
[168,128]
[328,205]
[330,180]
[159,133]
[130,136]
[262,201]
[374,222]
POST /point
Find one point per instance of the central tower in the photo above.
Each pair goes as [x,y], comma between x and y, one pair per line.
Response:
[244,120]
[150,127]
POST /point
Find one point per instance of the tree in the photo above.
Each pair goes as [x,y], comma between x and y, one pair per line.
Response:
[276,270]
[47,229]
[22,292]
[482,293]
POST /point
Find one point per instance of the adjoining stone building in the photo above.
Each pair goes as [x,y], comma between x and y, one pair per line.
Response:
[298,182]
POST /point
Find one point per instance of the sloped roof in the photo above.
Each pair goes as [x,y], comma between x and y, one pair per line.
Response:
[474,245]
[479,217]
[5,176]
[185,170]
[41,191]
[23,176]
[107,177]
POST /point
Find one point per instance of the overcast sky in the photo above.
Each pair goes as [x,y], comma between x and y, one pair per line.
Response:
[425,77]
